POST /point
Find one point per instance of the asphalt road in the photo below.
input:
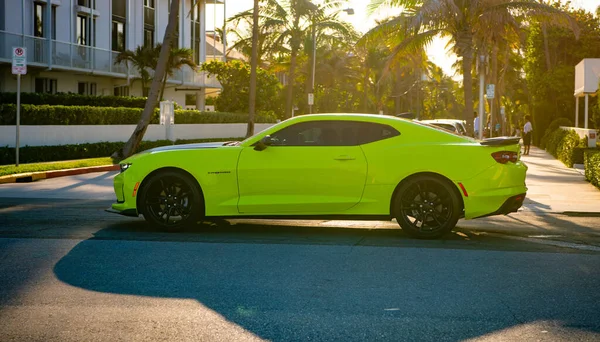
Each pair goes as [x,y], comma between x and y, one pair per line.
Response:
[71,272]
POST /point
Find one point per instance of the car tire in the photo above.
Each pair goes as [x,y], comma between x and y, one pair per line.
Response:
[171,200]
[427,207]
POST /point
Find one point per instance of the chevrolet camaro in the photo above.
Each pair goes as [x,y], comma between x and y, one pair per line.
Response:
[342,166]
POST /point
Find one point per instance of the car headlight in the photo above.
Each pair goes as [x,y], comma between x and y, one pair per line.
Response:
[125,166]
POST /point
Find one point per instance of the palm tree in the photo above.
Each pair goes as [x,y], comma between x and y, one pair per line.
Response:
[178,57]
[458,20]
[143,59]
[253,66]
[161,68]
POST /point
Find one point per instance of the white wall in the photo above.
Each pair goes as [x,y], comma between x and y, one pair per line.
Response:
[64,135]
[591,134]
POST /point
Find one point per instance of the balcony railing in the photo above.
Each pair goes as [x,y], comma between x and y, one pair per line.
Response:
[87,59]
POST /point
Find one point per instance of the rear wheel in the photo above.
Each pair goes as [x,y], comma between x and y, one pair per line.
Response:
[427,207]
[171,200]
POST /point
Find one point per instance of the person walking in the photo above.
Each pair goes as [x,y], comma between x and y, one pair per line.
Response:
[476,125]
[527,129]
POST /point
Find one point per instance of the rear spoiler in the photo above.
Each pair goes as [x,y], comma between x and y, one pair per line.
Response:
[500,141]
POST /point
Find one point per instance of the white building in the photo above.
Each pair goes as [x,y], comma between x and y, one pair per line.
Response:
[72,44]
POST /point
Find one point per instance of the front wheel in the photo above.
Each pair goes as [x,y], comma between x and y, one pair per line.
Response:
[427,207]
[170,201]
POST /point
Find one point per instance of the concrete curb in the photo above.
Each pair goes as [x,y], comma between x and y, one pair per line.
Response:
[34,176]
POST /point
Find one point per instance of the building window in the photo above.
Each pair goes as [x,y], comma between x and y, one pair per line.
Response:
[38,19]
[87,3]
[190,100]
[83,34]
[118,36]
[196,37]
[149,23]
[119,25]
[86,88]
[45,85]
[121,91]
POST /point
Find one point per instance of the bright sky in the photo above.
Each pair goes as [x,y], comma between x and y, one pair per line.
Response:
[363,23]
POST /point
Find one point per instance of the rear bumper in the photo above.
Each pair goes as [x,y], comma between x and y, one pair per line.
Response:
[498,190]
[511,205]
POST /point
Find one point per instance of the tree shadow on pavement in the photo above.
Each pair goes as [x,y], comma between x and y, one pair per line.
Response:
[298,289]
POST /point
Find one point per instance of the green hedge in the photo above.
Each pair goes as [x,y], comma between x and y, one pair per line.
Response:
[88,115]
[70,99]
[592,166]
[36,154]
[554,125]
[562,144]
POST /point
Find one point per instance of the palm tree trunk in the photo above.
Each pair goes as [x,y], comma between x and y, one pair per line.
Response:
[162,88]
[494,80]
[253,66]
[546,47]
[467,64]
[366,88]
[140,130]
[290,89]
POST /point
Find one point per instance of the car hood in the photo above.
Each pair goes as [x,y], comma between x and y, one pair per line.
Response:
[187,147]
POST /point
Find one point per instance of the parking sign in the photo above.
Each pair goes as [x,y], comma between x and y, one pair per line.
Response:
[19,61]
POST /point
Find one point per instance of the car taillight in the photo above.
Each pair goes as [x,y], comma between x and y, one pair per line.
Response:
[504,157]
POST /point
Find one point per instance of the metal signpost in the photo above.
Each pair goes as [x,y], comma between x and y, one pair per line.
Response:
[19,67]
[490,92]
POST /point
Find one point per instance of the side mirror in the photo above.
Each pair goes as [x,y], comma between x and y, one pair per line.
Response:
[263,143]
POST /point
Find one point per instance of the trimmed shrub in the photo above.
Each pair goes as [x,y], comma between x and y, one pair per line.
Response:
[87,115]
[554,125]
[564,145]
[592,166]
[36,154]
[71,99]
[71,115]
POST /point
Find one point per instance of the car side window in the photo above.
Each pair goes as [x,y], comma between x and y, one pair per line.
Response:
[314,133]
[369,132]
[332,133]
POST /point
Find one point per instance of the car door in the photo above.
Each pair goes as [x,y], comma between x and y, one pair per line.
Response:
[313,167]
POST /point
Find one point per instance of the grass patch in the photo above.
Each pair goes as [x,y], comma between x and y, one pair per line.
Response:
[71,164]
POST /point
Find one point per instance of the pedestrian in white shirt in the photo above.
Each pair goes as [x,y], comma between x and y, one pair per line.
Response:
[527,129]
[476,125]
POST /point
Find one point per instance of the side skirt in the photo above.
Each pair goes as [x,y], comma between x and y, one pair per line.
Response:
[308,217]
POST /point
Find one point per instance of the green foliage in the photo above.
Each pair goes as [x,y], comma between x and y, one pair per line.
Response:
[550,72]
[36,154]
[71,99]
[196,117]
[234,76]
[22,168]
[564,145]
[84,115]
[592,166]
[554,125]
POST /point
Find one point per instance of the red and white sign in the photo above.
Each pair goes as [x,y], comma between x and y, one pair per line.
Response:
[19,61]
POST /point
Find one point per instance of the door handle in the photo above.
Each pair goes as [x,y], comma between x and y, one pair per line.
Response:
[344,157]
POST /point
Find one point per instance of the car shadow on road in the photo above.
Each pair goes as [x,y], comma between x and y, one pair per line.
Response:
[297,291]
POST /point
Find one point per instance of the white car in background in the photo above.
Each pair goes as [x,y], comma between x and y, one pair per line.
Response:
[453,125]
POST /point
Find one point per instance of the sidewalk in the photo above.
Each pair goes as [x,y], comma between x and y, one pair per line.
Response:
[555,188]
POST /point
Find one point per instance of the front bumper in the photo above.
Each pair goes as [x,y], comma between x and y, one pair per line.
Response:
[124,212]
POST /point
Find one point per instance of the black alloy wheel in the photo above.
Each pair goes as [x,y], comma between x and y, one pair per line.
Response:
[427,207]
[171,200]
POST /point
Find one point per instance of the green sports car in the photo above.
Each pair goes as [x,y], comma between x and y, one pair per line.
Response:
[342,166]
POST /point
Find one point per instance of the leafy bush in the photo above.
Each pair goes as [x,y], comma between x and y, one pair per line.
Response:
[554,125]
[86,115]
[71,115]
[564,145]
[592,166]
[35,154]
[71,99]
[196,117]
